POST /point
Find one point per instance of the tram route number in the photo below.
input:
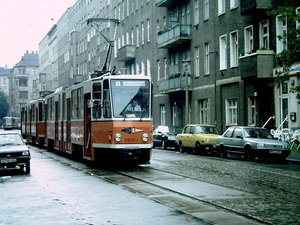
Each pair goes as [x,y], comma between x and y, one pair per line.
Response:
[131,139]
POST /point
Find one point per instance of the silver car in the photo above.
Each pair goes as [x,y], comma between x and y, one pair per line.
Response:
[252,142]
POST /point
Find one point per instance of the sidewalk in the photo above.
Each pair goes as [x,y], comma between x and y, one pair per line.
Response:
[294,157]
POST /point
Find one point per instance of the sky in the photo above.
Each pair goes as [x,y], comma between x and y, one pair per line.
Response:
[24,23]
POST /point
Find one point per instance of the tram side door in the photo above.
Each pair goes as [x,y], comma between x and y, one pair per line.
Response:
[87,126]
[56,128]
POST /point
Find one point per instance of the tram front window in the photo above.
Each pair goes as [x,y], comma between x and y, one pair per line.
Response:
[130,98]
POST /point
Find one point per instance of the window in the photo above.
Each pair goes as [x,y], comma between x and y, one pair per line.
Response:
[132,37]
[197,62]
[221,6]
[165,68]
[34,83]
[206,9]
[284,88]
[148,67]
[231,112]
[252,110]
[137,36]
[206,58]
[196,12]
[158,69]
[264,35]
[281,30]
[23,82]
[148,30]
[162,115]
[143,33]
[223,52]
[23,95]
[234,4]
[284,110]
[234,49]
[248,35]
[204,111]
[80,103]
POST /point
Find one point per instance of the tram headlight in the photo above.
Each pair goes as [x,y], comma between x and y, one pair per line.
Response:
[145,137]
[118,137]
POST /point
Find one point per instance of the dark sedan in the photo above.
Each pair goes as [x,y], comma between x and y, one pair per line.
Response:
[252,142]
[14,152]
[165,136]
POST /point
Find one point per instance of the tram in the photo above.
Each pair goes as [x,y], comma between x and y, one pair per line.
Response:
[10,123]
[92,119]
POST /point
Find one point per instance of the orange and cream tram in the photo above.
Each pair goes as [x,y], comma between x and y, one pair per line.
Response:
[94,120]
[32,122]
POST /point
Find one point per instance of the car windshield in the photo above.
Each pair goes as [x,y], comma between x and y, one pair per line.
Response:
[169,129]
[206,130]
[257,133]
[10,139]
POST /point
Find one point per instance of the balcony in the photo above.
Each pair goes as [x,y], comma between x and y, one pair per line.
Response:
[174,36]
[126,53]
[164,3]
[259,64]
[173,85]
[249,7]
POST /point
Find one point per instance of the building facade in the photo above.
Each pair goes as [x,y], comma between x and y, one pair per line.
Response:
[211,62]
[4,80]
[23,84]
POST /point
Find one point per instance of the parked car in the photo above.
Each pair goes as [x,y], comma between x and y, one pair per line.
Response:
[165,136]
[200,137]
[14,152]
[252,142]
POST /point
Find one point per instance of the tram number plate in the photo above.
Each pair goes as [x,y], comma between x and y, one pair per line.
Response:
[275,151]
[8,160]
[131,140]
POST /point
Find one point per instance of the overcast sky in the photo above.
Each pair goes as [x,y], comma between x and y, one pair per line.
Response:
[24,23]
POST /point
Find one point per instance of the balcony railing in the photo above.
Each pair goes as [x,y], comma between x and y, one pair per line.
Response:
[164,3]
[126,53]
[173,85]
[253,6]
[174,36]
[259,64]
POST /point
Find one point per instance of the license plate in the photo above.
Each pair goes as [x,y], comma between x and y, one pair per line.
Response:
[275,151]
[8,160]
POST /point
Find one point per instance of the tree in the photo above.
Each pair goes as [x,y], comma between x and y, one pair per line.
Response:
[291,39]
[4,106]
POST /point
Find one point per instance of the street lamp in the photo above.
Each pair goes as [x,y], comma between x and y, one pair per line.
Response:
[186,65]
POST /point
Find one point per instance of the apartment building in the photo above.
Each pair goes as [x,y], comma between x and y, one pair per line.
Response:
[211,62]
[4,80]
[23,84]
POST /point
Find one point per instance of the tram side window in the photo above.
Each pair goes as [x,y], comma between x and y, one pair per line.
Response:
[73,104]
[50,109]
[40,111]
[80,103]
[106,100]
[97,100]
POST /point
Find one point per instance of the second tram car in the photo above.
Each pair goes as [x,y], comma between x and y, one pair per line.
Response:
[95,120]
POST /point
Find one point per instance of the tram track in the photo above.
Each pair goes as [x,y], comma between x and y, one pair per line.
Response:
[180,191]
[245,178]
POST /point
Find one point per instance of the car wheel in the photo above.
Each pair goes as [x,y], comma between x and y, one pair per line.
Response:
[249,153]
[199,149]
[282,160]
[181,148]
[27,167]
[164,145]
[223,152]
